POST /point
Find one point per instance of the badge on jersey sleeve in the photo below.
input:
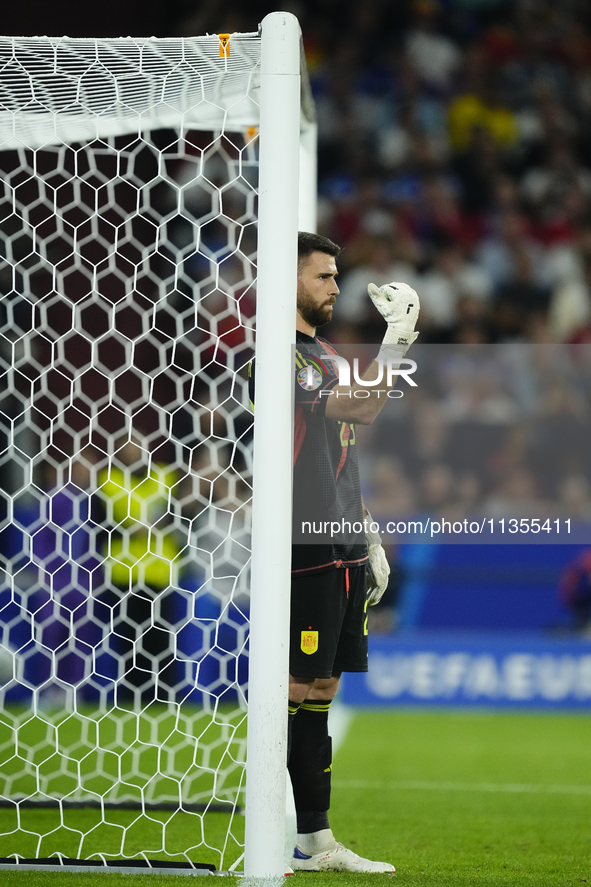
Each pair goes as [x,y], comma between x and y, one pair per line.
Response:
[309,378]
[309,642]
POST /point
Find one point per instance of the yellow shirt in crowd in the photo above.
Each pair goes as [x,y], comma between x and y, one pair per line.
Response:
[141,546]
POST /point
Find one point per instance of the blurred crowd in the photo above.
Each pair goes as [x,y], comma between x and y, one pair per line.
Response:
[454,155]
[495,431]
[454,139]
[454,146]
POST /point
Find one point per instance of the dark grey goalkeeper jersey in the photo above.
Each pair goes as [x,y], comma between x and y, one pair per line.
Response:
[326,483]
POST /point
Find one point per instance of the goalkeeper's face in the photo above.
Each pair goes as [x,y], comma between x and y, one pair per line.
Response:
[317,289]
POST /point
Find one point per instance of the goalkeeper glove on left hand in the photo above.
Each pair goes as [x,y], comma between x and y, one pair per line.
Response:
[378,569]
[378,574]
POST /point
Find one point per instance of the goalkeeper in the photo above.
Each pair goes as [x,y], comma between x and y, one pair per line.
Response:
[333,582]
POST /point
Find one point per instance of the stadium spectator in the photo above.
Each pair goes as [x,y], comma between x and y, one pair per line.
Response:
[522,296]
[557,192]
[409,113]
[66,571]
[481,109]
[390,493]
[502,253]
[571,309]
[449,278]
[434,55]
[535,63]
[479,168]
[436,485]
[575,591]
[140,549]
[382,262]
[574,498]
[516,495]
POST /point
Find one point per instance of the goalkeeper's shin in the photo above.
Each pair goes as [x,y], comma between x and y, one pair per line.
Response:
[310,766]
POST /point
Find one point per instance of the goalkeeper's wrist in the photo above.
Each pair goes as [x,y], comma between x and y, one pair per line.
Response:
[396,343]
[371,537]
[399,336]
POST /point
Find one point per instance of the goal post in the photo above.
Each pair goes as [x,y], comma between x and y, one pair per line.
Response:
[133,573]
[273,449]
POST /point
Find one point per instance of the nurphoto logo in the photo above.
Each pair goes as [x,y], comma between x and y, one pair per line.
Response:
[393,366]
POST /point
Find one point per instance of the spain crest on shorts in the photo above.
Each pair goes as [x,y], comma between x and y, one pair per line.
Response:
[309,642]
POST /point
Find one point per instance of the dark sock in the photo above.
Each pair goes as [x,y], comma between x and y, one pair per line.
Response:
[292,710]
[310,765]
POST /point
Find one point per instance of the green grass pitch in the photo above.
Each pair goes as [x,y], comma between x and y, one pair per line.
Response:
[451,798]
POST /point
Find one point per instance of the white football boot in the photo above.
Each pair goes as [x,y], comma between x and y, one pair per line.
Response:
[320,852]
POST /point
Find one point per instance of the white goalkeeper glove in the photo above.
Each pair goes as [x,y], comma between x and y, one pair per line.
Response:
[399,305]
[378,569]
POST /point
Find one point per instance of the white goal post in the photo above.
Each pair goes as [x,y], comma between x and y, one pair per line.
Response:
[131,174]
[273,452]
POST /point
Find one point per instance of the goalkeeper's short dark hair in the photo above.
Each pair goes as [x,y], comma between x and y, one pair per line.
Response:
[315,243]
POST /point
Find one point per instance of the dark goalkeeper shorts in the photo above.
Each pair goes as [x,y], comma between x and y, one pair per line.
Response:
[328,629]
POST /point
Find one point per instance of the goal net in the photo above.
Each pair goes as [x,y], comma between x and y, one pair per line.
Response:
[128,231]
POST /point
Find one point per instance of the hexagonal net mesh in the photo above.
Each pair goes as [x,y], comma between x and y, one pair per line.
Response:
[128,238]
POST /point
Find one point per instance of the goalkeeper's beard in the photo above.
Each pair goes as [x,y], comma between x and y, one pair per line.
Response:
[314,315]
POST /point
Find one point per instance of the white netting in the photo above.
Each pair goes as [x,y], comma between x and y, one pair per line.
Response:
[128,238]
[65,89]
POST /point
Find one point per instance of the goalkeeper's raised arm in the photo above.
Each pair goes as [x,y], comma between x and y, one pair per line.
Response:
[398,304]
